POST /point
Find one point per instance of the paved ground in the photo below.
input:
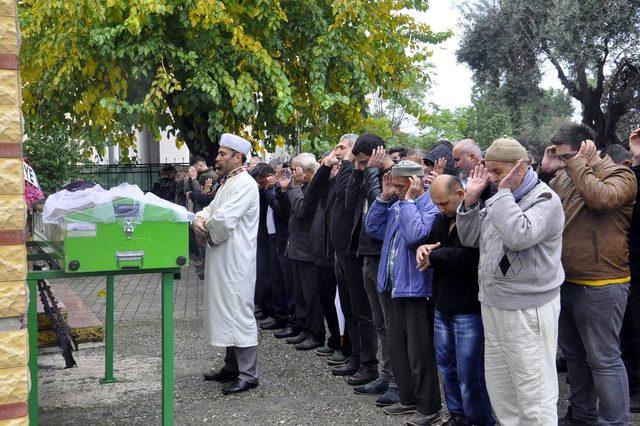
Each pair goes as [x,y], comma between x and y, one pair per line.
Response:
[296,388]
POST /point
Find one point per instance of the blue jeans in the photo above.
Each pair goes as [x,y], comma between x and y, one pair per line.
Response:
[459,340]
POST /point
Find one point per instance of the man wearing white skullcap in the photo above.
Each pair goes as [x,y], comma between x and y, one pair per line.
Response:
[230,227]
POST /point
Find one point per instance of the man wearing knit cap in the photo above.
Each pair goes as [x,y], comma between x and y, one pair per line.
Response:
[230,227]
[519,233]
[403,216]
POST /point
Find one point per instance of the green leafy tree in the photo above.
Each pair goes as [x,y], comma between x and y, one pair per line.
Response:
[277,71]
[53,154]
[591,44]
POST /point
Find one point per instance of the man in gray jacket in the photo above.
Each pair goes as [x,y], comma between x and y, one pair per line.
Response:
[519,233]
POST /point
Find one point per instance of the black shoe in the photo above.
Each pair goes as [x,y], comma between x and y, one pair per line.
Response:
[272,325]
[390,397]
[568,419]
[378,387]
[286,332]
[419,419]
[561,365]
[634,403]
[399,409]
[362,377]
[348,369]
[238,386]
[221,376]
[301,337]
[307,345]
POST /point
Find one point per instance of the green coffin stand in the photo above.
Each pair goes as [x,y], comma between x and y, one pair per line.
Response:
[136,237]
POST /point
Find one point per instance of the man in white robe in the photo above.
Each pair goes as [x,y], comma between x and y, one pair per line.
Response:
[230,227]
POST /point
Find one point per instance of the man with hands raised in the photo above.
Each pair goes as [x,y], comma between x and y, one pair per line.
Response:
[519,233]
[459,335]
[597,197]
[402,216]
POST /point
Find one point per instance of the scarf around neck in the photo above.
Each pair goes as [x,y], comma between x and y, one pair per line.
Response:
[528,183]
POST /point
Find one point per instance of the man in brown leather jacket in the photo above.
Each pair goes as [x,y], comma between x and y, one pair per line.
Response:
[598,197]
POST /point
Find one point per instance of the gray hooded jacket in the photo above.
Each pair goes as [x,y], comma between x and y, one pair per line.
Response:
[520,247]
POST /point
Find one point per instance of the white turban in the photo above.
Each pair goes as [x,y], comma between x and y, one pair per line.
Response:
[236,143]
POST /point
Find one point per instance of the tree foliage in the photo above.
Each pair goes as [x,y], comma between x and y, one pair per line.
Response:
[277,71]
[53,154]
[591,44]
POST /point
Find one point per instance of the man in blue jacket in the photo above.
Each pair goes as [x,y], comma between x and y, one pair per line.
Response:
[403,216]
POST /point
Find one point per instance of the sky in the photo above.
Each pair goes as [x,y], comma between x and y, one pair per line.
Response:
[452,82]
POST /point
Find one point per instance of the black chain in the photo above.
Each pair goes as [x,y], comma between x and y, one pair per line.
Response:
[64,335]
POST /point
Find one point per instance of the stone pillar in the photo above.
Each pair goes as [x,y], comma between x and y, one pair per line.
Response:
[14,375]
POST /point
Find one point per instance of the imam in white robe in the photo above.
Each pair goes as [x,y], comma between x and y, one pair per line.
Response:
[230,267]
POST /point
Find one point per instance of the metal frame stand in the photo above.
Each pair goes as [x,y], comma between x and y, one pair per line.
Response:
[168,275]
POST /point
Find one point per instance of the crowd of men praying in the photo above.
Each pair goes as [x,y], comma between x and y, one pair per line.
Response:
[483,266]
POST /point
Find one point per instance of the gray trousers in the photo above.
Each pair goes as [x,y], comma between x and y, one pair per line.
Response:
[243,361]
[370,271]
[589,330]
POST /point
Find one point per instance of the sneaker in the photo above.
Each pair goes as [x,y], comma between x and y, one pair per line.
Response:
[390,397]
[399,409]
[419,419]
[324,351]
[337,359]
[377,387]
[456,419]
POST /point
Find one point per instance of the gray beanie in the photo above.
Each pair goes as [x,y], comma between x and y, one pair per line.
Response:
[406,168]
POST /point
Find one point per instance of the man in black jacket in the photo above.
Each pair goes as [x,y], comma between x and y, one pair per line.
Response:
[459,334]
[372,162]
[346,222]
[308,306]
[282,288]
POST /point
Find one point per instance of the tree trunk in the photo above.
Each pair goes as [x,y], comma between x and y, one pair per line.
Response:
[194,130]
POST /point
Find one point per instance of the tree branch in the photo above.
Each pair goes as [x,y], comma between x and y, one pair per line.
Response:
[568,84]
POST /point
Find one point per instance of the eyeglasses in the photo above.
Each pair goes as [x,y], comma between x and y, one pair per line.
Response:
[567,156]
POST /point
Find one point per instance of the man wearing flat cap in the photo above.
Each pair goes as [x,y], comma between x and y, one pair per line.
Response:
[401,217]
[229,225]
[519,233]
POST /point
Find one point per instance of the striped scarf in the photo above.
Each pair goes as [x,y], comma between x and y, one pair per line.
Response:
[528,183]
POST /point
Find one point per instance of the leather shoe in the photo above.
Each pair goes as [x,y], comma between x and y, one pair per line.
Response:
[324,351]
[221,376]
[272,325]
[378,387]
[297,339]
[310,343]
[238,386]
[286,332]
[390,397]
[348,369]
[362,377]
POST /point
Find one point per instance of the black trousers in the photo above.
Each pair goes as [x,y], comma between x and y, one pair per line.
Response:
[308,306]
[358,316]
[328,288]
[630,336]
[282,295]
[262,297]
[412,349]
